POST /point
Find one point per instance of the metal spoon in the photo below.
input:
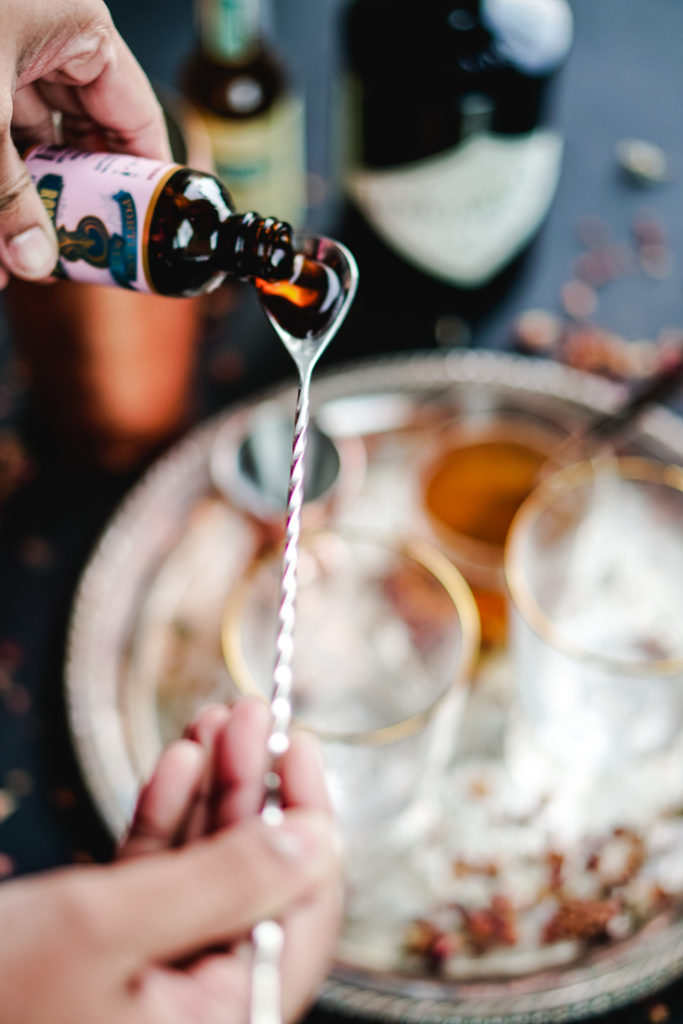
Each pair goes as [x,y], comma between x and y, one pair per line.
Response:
[267,936]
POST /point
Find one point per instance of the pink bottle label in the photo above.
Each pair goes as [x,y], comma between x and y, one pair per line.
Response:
[99,204]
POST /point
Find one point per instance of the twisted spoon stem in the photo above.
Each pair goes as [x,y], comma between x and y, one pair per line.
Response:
[268,936]
[281,700]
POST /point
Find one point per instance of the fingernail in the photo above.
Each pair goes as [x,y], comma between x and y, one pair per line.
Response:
[302,839]
[32,253]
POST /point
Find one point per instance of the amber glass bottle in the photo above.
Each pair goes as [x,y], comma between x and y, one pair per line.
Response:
[254,117]
[152,226]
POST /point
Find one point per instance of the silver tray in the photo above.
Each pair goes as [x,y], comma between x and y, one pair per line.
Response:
[144,647]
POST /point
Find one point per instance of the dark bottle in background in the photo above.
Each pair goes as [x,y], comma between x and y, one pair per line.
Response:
[254,116]
[451,159]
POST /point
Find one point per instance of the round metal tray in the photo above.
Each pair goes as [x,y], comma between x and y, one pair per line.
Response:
[174,548]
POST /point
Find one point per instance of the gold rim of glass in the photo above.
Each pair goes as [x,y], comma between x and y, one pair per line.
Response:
[414,549]
[635,468]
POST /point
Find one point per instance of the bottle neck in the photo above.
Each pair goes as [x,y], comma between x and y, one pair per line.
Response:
[229,30]
[465,15]
[257,247]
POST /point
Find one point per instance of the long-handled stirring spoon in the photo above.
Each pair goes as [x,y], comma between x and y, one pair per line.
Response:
[306,324]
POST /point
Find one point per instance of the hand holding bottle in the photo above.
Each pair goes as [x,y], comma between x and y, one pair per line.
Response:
[65,59]
[159,936]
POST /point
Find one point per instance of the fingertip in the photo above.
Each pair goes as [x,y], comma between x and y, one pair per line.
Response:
[166,800]
[241,745]
[207,724]
[241,761]
[251,714]
[32,253]
[178,772]
[303,772]
[307,748]
[181,756]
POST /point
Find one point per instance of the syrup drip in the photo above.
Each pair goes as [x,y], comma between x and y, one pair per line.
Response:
[306,303]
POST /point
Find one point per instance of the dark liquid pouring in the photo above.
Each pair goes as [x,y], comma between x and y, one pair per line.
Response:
[308,302]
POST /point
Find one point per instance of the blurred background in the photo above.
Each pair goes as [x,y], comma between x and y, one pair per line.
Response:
[618,83]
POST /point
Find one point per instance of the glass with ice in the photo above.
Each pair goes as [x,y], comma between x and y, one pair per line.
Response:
[594,567]
[386,637]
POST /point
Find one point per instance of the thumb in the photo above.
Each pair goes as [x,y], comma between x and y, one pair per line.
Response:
[216,889]
[28,244]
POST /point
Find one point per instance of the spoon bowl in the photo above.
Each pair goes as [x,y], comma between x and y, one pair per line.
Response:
[338,260]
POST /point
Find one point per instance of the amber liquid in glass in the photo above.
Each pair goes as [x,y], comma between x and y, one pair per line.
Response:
[472,492]
[476,490]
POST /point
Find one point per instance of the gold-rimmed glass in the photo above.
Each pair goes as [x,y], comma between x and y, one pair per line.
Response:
[594,566]
[386,637]
[474,475]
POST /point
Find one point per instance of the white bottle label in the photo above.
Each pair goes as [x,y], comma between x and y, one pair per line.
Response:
[100,204]
[262,160]
[463,215]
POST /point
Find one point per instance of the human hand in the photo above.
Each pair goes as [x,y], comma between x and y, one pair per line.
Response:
[163,934]
[68,59]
